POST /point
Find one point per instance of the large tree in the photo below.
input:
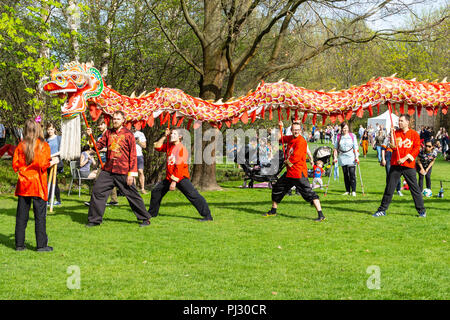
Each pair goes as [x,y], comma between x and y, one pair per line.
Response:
[231,34]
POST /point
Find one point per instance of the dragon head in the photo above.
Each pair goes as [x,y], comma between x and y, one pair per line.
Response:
[78,82]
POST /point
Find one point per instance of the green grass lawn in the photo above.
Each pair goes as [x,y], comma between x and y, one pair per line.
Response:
[240,255]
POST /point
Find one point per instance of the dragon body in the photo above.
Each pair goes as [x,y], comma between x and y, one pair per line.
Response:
[85,90]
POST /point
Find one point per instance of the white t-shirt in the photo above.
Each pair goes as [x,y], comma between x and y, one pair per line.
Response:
[138,135]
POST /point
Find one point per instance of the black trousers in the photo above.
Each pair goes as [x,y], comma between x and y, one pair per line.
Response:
[388,156]
[349,178]
[284,184]
[103,186]
[409,174]
[57,191]
[22,216]
[186,187]
[427,178]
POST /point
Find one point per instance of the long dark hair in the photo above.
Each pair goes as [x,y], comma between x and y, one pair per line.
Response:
[31,133]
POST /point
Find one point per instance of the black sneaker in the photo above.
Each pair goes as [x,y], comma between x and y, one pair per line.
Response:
[206,219]
[269,214]
[112,203]
[320,219]
[145,223]
[20,248]
[45,249]
[91,224]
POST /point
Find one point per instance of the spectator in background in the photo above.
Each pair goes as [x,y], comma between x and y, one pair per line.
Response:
[347,155]
[31,160]
[54,141]
[425,162]
[2,134]
[365,142]
[378,143]
[86,160]
[361,131]
[141,143]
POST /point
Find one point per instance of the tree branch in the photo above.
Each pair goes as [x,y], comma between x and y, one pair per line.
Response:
[182,55]
[193,25]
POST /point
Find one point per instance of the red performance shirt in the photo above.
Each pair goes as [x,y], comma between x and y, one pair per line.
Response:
[408,143]
[177,156]
[121,151]
[32,180]
[296,154]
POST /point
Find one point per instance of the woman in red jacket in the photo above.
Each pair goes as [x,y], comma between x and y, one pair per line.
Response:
[31,160]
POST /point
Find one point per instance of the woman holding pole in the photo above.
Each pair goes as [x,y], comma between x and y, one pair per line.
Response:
[54,141]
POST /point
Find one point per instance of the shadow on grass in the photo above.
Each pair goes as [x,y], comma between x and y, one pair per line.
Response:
[9,241]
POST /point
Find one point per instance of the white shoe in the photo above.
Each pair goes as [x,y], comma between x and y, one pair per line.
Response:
[345,194]
[400,193]
[354,194]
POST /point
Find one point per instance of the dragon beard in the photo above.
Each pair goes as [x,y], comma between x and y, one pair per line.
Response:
[71,138]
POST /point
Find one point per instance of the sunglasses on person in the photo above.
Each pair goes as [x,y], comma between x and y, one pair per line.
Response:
[428,145]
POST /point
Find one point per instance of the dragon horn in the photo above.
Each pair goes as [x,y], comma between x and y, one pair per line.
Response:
[393,75]
[444,80]
[133,95]
[142,94]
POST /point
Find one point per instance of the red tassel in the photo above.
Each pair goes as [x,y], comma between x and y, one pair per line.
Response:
[305,115]
[340,117]
[360,112]
[270,113]
[189,123]
[262,113]
[411,109]
[393,108]
[137,125]
[314,118]
[378,108]
[94,112]
[235,120]
[324,119]
[430,112]
[253,116]
[228,123]
[174,119]
[244,117]
[151,120]
[444,110]
[296,114]
[402,108]
[180,121]
[370,111]
[419,110]
[288,113]
[333,118]
[348,116]
[107,119]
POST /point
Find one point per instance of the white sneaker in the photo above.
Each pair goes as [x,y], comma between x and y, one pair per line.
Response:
[345,194]
[354,194]
[400,193]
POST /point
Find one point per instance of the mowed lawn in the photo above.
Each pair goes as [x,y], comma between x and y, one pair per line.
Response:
[241,254]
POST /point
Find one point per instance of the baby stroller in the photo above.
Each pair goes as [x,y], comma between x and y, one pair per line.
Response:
[324,154]
[261,172]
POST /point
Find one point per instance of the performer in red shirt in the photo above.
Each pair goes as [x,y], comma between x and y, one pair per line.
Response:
[296,174]
[403,163]
[177,176]
[119,170]
[31,160]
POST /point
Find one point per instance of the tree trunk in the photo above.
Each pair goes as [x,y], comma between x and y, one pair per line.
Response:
[214,70]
